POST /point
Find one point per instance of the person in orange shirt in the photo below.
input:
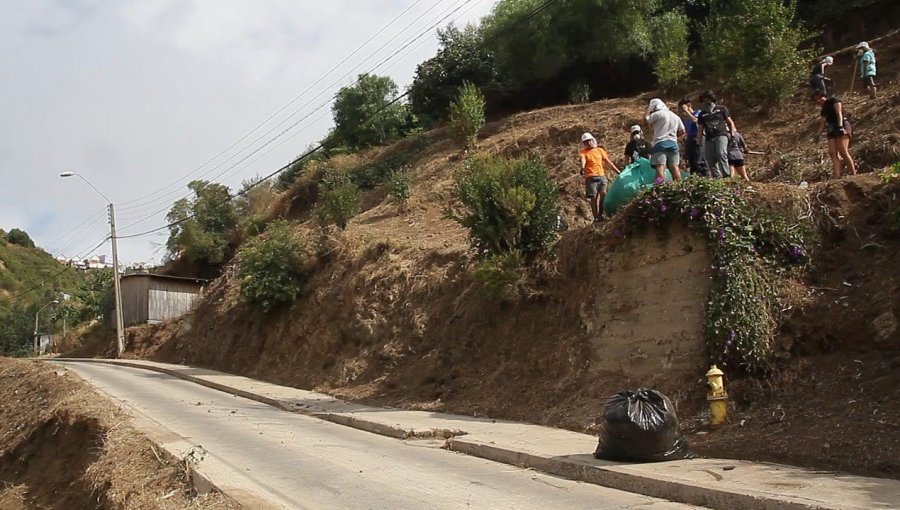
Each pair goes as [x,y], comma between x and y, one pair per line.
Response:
[593,159]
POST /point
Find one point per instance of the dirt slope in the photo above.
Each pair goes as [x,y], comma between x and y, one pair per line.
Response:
[394,317]
[62,446]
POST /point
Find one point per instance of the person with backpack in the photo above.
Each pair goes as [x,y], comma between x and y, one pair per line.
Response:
[593,158]
[867,71]
[736,149]
[714,123]
[637,145]
[692,150]
[817,78]
[667,129]
[835,126]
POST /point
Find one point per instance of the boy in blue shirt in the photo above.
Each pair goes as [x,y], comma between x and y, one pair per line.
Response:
[867,71]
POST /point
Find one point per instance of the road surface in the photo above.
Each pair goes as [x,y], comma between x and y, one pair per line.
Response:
[301,462]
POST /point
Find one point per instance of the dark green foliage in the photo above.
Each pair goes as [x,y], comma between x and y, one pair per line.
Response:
[289,175]
[750,249]
[273,267]
[891,177]
[752,47]
[362,117]
[462,58]
[467,115]
[16,333]
[94,298]
[204,224]
[339,199]
[566,35]
[19,237]
[509,205]
[671,62]
[579,92]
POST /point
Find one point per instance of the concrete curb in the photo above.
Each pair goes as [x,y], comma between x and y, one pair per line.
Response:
[670,481]
[393,431]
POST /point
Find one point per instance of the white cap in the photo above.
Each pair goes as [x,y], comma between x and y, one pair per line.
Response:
[587,136]
[828,60]
[863,46]
[635,128]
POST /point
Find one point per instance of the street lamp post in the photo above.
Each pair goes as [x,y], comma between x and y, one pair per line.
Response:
[120,328]
[37,346]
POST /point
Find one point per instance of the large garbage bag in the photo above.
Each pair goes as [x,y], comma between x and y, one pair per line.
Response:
[641,426]
[629,183]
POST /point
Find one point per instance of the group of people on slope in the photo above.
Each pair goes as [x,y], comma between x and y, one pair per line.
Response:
[834,124]
[713,146]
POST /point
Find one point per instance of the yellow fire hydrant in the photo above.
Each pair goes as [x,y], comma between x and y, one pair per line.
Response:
[716,395]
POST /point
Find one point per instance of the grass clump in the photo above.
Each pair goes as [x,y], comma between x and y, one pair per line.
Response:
[400,187]
[501,275]
[273,267]
[339,199]
[751,249]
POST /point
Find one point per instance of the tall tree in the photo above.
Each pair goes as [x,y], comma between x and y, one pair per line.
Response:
[202,223]
[363,113]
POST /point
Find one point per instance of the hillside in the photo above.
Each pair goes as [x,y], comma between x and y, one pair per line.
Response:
[22,268]
[394,316]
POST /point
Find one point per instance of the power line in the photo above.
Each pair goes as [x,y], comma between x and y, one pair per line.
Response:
[69,235]
[526,18]
[409,42]
[283,108]
[440,19]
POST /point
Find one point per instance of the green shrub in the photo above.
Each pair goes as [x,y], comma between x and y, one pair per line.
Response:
[399,187]
[670,37]
[273,267]
[501,275]
[467,115]
[750,248]
[752,45]
[509,205]
[254,225]
[579,92]
[891,175]
[19,237]
[339,199]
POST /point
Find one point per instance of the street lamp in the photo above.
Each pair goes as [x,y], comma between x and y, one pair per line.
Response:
[36,316]
[120,328]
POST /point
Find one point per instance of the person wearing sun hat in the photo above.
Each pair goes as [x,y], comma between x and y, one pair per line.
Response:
[636,145]
[593,159]
[817,78]
[867,71]
[667,129]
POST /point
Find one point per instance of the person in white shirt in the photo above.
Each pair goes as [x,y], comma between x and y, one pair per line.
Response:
[667,129]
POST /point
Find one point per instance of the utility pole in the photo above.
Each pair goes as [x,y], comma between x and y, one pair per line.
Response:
[37,314]
[117,287]
[120,327]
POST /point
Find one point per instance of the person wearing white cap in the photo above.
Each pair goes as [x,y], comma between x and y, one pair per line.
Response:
[637,145]
[867,71]
[593,160]
[667,129]
[817,79]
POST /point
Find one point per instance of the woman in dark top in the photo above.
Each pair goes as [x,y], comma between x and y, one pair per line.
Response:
[817,78]
[838,131]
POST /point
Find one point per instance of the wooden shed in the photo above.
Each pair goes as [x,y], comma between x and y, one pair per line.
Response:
[150,298]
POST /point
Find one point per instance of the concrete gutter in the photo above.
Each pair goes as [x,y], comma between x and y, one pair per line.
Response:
[712,483]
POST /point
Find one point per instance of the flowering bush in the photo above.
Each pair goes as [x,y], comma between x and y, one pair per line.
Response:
[750,248]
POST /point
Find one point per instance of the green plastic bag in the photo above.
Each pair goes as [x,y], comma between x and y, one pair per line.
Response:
[629,183]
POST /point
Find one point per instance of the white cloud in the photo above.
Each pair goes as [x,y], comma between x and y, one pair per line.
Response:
[136,94]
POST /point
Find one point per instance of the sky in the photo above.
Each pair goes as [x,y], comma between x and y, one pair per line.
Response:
[139,97]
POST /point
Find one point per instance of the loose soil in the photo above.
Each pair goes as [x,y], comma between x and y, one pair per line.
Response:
[62,446]
[392,315]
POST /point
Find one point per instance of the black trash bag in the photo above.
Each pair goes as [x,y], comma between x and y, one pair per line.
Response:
[641,426]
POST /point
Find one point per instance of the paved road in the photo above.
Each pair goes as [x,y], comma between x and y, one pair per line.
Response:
[302,462]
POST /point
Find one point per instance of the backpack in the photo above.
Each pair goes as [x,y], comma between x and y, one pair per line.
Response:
[714,122]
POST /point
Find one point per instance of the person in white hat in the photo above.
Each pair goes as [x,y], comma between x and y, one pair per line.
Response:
[867,70]
[818,79]
[593,168]
[636,145]
[667,129]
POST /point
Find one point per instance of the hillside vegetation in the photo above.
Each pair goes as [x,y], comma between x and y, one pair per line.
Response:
[408,288]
